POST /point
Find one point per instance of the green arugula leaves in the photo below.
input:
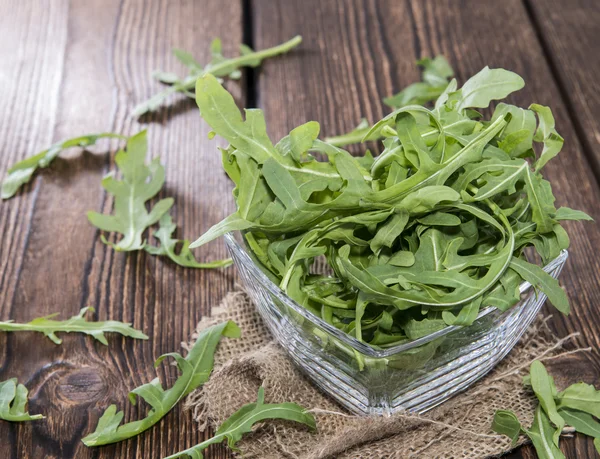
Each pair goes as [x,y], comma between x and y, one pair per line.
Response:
[21,173]
[428,232]
[168,247]
[13,398]
[244,419]
[76,324]
[219,66]
[577,406]
[140,183]
[436,75]
[195,369]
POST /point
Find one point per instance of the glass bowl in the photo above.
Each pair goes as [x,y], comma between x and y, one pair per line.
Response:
[415,376]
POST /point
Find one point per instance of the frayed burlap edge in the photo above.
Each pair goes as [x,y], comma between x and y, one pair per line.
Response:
[460,428]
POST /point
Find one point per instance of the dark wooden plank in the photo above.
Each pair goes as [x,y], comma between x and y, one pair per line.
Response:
[357,51]
[570,36]
[77,67]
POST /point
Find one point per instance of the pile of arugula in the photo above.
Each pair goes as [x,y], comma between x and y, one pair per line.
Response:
[418,238]
[577,406]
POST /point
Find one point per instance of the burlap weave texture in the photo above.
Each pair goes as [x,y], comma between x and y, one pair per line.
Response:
[460,428]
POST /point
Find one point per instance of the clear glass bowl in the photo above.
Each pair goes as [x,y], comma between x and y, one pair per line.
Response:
[415,376]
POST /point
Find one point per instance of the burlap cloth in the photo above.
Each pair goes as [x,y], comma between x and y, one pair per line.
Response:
[459,428]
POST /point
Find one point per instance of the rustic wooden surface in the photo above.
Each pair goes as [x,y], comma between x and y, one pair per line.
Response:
[80,66]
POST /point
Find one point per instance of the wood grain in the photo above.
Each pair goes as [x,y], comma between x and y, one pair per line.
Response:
[360,51]
[570,36]
[81,66]
[71,68]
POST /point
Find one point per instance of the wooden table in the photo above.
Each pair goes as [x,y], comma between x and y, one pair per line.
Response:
[69,68]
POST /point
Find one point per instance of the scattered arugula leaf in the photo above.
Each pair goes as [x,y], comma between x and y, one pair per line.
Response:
[21,172]
[168,245]
[577,406]
[242,421]
[219,66]
[140,183]
[76,324]
[195,369]
[13,398]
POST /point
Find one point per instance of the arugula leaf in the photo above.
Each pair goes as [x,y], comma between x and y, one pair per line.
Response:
[356,135]
[436,73]
[487,85]
[545,390]
[195,369]
[542,435]
[541,432]
[13,398]
[582,422]
[541,200]
[576,406]
[77,324]
[219,66]
[582,397]
[168,247]
[21,172]
[506,423]
[140,183]
[537,277]
[552,140]
[242,421]
[564,213]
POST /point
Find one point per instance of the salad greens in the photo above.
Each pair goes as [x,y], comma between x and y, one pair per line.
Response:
[423,235]
[13,398]
[195,369]
[244,419]
[77,324]
[21,172]
[219,66]
[577,406]
[168,245]
[140,183]
[435,80]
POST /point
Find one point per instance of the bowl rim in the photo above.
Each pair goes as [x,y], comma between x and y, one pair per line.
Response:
[360,346]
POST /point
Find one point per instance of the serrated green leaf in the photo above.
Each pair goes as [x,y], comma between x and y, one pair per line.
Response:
[219,66]
[13,398]
[541,200]
[168,247]
[21,172]
[76,324]
[195,369]
[140,183]
[242,421]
